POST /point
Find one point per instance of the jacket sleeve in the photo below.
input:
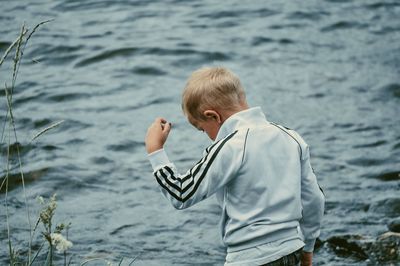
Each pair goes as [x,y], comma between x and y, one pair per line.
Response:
[313,203]
[219,165]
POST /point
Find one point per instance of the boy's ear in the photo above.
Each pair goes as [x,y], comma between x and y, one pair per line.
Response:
[211,114]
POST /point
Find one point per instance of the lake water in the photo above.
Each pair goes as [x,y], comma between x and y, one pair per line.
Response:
[329,69]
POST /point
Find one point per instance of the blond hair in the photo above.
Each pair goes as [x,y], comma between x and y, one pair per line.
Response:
[211,88]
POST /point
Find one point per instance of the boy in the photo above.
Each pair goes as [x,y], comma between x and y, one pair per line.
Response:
[271,203]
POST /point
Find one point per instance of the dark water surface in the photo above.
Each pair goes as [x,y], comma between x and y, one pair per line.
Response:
[329,69]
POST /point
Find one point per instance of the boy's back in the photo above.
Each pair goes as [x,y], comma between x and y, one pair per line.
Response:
[263,201]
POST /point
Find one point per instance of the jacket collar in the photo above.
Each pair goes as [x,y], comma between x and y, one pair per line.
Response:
[241,119]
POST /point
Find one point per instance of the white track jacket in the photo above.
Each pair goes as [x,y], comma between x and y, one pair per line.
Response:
[262,178]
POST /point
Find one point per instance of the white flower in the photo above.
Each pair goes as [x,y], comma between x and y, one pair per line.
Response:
[60,242]
[40,200]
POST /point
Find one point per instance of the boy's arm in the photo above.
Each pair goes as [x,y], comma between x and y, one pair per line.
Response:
[313,201]
[219,165]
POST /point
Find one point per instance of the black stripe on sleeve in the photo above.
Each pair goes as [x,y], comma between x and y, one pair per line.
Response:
[199,165]
[208,166]
[180,189]
[171,184]
[166,188]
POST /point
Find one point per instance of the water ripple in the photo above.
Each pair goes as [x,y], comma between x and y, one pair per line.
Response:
[131,51]
[382,5]
[126,146]
[259,40]
[344,25]
[151,71]
[370,145]
[313,16]
[390,176]
[366,162]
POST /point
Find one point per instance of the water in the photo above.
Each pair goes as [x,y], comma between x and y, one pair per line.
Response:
[329,69]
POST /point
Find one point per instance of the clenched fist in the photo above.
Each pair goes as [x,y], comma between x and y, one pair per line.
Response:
[157,134]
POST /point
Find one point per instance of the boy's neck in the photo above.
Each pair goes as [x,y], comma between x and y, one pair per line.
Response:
[225,114]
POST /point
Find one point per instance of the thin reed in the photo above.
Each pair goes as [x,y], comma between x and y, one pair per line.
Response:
[10,138]
[52,238]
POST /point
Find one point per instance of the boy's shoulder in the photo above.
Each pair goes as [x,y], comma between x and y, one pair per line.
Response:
[293,134]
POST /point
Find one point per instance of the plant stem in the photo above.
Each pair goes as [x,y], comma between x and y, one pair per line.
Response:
[12,46]
[6,201]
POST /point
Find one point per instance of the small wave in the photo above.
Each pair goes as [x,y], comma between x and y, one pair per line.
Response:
[73,125]
[317,95]
[157,101]
[343,25]
[362,128]
[370,145]
[227,24]
[19,87]
[390,176]
[124,52]
[126,146]
[201,59]
[392,89]
[40,123]
[38,96]
[337,1]
[288,26]
[222,14]
[50,147]
[14,179]
[383,30]
[330,46]
[15,148]
[68,97]
[382,5]
[56,54]
[264,12]
[313,16]
[343,125]
[107,55]
[95,36]
[396,146]
[101,160]
[152,71]
[4,45]
[261,40]
[94,4]
[123,228]
[366,162]
[75,141]
[265,40]
[387,92]
[390,207]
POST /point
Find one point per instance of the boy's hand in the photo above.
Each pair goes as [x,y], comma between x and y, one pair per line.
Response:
[306,258]
[157,135]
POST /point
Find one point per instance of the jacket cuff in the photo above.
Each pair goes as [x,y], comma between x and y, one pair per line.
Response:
[158,159]
[309,247]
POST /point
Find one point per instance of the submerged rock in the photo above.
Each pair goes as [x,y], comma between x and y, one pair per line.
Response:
[385,248]
[394,225]
[354,246]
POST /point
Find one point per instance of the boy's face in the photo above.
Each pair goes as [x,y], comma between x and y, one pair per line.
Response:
[210,126]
